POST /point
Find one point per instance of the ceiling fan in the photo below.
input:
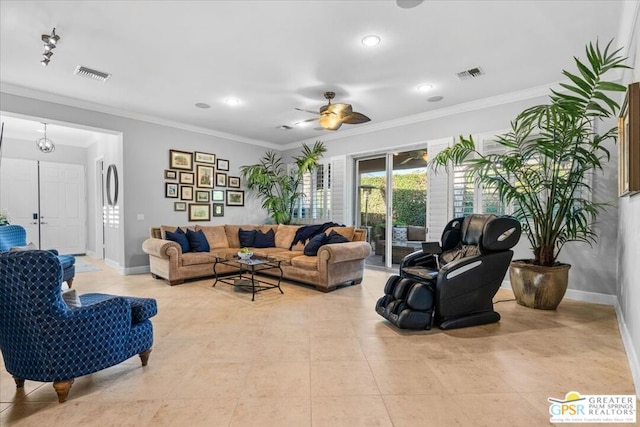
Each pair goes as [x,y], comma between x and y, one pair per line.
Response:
[332,116]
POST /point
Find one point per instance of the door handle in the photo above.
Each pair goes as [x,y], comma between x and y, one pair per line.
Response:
[34,223]
[42,222]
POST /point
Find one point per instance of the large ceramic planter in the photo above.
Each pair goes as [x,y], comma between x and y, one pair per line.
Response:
[538,287]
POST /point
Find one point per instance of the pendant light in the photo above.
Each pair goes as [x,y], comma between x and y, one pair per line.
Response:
[45,144]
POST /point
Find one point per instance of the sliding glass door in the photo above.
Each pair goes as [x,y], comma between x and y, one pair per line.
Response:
[399,215]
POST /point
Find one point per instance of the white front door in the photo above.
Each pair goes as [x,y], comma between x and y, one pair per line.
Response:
[62,207]
[53,205]
[19,194]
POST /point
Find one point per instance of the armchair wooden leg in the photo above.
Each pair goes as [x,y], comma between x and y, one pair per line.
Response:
[62,389]
[19,382]
[144,356]
[70,282]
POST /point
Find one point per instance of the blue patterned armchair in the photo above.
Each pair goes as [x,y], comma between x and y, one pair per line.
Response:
[15,235]
[42,339]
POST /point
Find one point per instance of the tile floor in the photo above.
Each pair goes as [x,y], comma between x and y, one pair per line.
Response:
[307,358]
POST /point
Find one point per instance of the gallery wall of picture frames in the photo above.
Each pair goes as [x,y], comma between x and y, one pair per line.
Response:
[201,185]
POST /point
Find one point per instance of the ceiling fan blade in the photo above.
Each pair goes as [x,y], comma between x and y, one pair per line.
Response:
[355,118]
[306,121]
[306,111]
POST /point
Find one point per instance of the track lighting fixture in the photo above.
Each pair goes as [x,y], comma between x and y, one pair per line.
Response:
[50,42]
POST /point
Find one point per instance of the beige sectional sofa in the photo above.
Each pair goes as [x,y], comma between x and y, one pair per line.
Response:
[335,264]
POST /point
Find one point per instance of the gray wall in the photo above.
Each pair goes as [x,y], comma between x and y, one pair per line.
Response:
[145,156]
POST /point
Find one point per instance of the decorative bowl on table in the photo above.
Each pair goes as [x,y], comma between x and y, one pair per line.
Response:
[245,255]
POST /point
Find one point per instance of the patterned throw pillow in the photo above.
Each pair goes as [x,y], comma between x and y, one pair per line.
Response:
[400,233]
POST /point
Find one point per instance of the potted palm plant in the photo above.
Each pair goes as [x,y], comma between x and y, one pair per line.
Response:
[549,152]
[279,188]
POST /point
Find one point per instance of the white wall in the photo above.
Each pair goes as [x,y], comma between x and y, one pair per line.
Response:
[144,157]
[21,149]
[628,287]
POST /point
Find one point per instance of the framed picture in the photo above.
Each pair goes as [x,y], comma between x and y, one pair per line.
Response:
[203,196]
[221,179]
[171,190]
[169,174]
[233,181]
[179,206]
[204,176]
[629,142]
[222,165]
[205,158]
[217,195]
[186,177]
[186,192]
[235,198]
[218,209]
[199,212]
[180,160]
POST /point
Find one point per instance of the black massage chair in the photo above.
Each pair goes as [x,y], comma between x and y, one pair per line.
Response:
[453,284]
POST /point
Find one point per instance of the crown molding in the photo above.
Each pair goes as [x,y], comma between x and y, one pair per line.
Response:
[91,106]
[480,104]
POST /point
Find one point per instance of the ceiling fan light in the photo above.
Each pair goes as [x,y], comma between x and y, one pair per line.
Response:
[329,121]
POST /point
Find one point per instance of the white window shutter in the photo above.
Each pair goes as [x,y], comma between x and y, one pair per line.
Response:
[488,200]
[338,195]
[439,206]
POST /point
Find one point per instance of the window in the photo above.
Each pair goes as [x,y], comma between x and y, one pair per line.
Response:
[315,198]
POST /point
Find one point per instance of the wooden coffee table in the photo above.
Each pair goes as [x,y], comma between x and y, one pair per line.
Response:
[247,269]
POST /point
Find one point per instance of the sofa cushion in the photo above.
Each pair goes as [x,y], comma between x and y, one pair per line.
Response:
[180,238]
[305,262]
[285,235]
[399,233]
[215,234]
[347,232]
[194,258]
[197,241]
[285,256]
[264,240]
[335,237]
[311,248]
[246,238]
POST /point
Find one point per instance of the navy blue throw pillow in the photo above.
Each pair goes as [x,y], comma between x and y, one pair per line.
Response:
[246,237]
[265,240]
[311,248]
[180,238]
[197,241]
[336,238]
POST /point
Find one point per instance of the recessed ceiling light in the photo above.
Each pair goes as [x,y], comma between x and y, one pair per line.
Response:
[425,87]
[203,105]
[408,4]
[435,98]
[232,101]
[371,40]
[285,127]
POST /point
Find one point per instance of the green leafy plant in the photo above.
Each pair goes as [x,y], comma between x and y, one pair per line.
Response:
[550,150]
[279,189]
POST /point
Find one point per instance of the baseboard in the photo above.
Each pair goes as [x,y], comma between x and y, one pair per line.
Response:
[143,269]
[632,356]
[584,296]
[113,264]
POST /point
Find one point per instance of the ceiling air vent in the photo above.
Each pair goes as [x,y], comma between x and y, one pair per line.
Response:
[470,74]
[285,127]
[92,74]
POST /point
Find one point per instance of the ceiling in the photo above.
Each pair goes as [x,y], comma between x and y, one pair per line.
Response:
[166,56]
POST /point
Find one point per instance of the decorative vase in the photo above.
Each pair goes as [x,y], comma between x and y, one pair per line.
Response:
[536,286]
